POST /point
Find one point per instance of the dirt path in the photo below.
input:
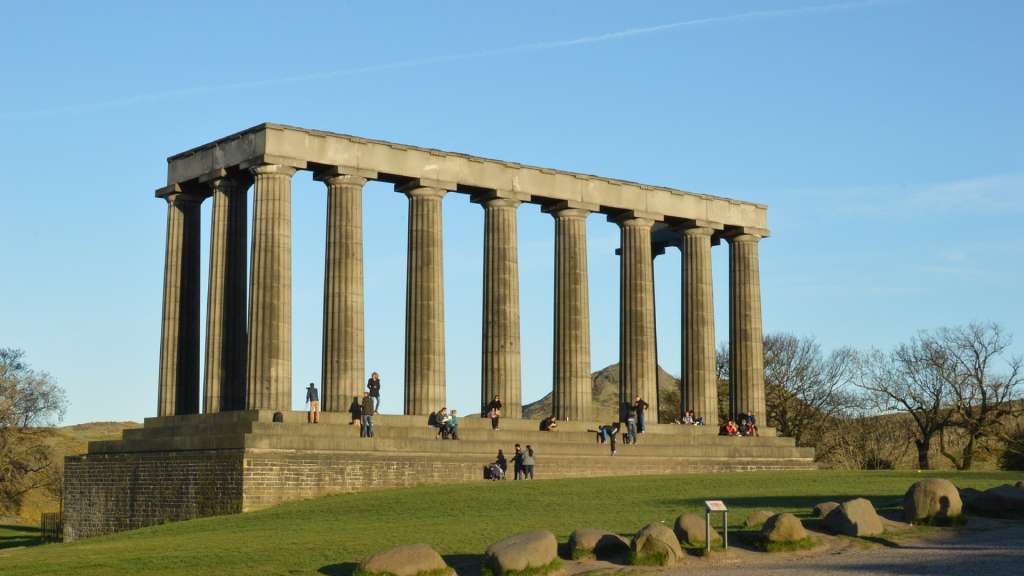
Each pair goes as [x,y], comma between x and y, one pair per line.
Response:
[983,547]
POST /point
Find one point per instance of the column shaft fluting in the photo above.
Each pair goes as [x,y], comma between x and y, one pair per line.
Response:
[746,352]
[179,336]
[500,361]
[699,373]
[572,386]
[424,304]
[343,339]
[224,384]
[269,373]
[638,375]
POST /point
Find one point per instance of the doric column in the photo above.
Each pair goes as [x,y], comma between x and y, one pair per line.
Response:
[424,302]
[179,335]
[572,393]
[269,373]
[224,385]
[638,375]
[699,375]
[500,361]
[343,351]
[746,353]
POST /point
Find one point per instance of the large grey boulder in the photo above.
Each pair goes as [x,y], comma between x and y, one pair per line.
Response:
[597,541]
[931,498]
[1000,500]
[403,561]
[690,528]
[522,551]
[758,518]
[1019,484]
[822,510]
[855,518]
[657,539]
[783,528]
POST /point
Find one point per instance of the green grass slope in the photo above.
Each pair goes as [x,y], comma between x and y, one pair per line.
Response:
[330,535]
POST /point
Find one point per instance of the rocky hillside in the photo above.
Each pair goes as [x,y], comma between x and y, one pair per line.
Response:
[606,397]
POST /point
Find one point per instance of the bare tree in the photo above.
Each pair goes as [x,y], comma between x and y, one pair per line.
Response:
[863,441]
[983,380]
[905,380]
[804,388]
[30,404]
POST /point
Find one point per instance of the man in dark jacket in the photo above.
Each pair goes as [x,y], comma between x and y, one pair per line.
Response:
[641,408]
[314,404]
[366,411]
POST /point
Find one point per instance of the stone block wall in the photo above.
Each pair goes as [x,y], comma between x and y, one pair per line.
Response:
[112,493]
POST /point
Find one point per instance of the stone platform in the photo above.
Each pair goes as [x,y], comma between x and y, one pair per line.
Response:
[181,467]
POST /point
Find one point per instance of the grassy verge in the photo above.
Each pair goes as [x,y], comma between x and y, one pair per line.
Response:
[553,566]
[634,559]
[329,536]
[805,543]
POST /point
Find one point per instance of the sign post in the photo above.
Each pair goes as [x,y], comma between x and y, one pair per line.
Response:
[716,506]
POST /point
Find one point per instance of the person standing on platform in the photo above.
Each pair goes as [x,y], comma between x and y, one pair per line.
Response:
[517,461]
[314,404]
[631,426]
[494,411]
[366,411]
[641,407]
[529,459]
[373,385]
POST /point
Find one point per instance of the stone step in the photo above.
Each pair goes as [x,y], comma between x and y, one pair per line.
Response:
[729,448]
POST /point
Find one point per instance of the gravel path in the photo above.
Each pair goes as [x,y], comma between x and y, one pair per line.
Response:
[996,552]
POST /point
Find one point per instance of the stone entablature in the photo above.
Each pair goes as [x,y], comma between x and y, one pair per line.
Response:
[397,163]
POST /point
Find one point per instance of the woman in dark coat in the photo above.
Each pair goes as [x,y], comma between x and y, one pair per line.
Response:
[494,411]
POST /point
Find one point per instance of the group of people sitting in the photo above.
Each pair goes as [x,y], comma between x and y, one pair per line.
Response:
[447,424]
[690,418]
[746,426]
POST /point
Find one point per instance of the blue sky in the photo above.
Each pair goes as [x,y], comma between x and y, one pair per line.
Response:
[886,137]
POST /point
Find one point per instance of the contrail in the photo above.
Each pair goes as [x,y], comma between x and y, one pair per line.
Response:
[185,92]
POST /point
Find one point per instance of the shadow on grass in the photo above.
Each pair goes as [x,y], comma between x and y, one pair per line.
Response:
[343,569]
[12,536]
[781,502]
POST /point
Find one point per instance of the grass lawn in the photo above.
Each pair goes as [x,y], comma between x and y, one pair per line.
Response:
[330,535]
[14,535]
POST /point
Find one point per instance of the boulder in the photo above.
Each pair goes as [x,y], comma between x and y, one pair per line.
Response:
[783,528]
[822,510]
[1005,499]
[657,539]
[931,498]
[758,518]
[522,551]
[855,518]
[598,541]
[691,528]
[1019,484]
[403,561]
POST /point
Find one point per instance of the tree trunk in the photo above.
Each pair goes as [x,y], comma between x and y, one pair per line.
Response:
[923,447]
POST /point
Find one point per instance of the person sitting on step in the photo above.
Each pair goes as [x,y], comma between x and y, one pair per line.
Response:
[441,419]
[549,424]
[748,424]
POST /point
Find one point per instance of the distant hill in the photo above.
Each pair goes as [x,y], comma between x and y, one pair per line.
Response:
[605,396]
[67,441]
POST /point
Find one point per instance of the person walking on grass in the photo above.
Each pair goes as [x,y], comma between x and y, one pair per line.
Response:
[641,408]
[314,404]
[373,385]
[529,459]
[366,419]
[494,411]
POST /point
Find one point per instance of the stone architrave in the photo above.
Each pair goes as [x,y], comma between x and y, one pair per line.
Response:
[699,370]
[638,371]
[179,336]
[501,369]
[269,368]
[746,348]
[344,358]
[224,381]
[571,396]
[424,301]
